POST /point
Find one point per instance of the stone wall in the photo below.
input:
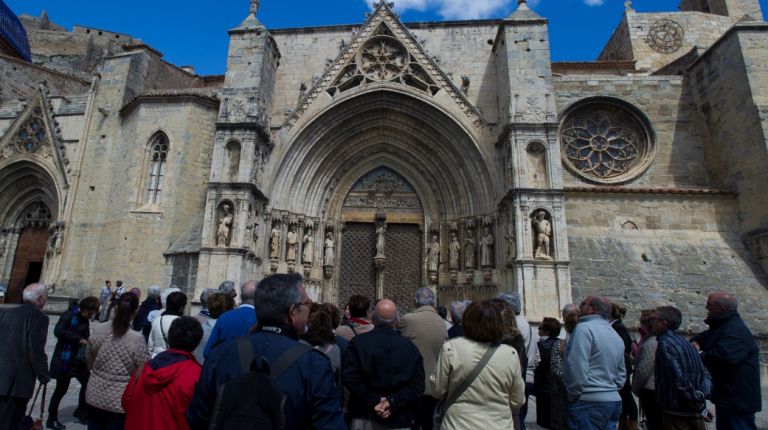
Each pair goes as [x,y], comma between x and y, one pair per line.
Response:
[20,79]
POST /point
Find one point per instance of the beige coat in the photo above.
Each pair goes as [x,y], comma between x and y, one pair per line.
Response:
[488,402]
[427,331]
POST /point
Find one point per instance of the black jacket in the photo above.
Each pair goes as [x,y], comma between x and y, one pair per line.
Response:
[22,351]
[731,355]
[68,337]
[542,375]
[383,363]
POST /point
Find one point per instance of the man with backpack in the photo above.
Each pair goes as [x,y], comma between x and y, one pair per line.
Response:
[355,321]
[268,380]
[682,381]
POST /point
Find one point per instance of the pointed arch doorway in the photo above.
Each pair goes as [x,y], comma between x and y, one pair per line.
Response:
[381,239]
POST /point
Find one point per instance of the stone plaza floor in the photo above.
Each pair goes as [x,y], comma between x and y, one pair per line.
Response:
[69,403]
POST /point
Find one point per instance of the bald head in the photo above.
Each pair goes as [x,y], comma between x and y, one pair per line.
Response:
[385,313]
[721,302]
[36,294]
[248,292]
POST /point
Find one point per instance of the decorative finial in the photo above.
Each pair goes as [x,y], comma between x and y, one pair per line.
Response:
[255,7]
[628,6]
[522,5]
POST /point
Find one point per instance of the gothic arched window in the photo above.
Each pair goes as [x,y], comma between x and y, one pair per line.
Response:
[158,154]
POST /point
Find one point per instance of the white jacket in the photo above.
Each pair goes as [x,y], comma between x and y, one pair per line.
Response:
[159,334]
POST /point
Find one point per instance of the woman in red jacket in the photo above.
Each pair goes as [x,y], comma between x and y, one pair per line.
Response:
[158,397]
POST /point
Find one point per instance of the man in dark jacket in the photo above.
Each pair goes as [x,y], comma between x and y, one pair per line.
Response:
[384,373]
[682,381]
[730,353]
[312,400]
[22,354]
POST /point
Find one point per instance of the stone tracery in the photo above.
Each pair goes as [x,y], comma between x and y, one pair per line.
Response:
[30,136]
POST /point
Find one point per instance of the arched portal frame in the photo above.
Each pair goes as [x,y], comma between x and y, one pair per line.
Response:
[449,170]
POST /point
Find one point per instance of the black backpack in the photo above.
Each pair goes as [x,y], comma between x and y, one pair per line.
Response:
[253,400]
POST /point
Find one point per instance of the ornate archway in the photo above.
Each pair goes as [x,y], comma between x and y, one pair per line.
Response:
[448,172]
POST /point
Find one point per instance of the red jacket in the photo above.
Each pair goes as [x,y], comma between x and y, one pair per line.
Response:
[159,398]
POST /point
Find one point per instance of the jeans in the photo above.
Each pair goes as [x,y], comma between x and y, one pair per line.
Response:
[729,419]
[593,415]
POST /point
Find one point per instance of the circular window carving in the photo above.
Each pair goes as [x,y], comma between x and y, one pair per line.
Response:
[605,143]
[32,133]
[383,59]
[665,36]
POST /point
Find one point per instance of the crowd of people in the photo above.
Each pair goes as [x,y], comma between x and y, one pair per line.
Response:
[279,361]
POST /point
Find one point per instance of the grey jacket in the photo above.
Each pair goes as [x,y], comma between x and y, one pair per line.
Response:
[22,351]
[594,362]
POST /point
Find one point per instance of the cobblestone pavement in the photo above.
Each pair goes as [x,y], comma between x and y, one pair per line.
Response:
[69,403]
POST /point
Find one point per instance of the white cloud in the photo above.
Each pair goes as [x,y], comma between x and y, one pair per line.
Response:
[594,2]
[457,9]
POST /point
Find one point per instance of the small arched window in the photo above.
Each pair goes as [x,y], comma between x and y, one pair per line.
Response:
[158,154]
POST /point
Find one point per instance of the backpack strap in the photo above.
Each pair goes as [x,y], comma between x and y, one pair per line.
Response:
[287,358]
[352,327]
[470,378]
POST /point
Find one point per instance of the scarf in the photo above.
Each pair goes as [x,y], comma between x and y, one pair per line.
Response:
[67,353]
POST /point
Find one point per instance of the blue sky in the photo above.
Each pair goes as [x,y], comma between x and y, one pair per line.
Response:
[194,32]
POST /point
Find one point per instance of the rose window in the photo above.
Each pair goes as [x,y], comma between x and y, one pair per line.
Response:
[32,133]
[383,58]
[605,143]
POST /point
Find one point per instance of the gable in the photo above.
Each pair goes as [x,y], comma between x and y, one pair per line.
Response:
[34,134]
[384,50]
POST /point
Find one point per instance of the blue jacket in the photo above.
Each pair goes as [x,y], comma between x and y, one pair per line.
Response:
[312,398]
[234,323]
[594,362]
[730,353]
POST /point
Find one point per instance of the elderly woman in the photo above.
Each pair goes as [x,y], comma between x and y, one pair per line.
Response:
[68,359]
[151,303]
[115,352]
[499,386]
[217,304]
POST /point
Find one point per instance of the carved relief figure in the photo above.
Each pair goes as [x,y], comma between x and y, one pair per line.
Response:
[486,248]
[292,244]
[543,231]
[454,252]
[225,225]
[433,256]
[274,243]
[308,252]
[469,252]
[330,252]
[511,247]
[380,230]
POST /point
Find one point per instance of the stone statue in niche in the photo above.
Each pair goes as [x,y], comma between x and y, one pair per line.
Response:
[292,244]
[469,252]
[486,248]
[433,254]
[511,247]
[55,237]
[380,230]
[224,226]
[308,252]
[543,230]
[330,250]
[454,252]
[274,243]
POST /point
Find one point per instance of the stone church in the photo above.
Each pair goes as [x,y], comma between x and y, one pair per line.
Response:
[380,157]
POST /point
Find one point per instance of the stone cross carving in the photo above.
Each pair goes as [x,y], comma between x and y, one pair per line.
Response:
[454,253]
[486,248]
[225,225]
[292,244]
[543,230]
[433,255]
[308,252]
[330,252]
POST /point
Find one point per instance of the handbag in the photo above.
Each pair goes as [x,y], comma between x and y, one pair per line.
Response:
[442,407]
[28,422]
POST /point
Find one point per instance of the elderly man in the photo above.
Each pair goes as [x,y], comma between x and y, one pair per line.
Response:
[531,340]
[236,322]
[204,314]
[682,382]
[151,303]
[384,374]
[457,311]
[594,369]
[426,330]
[730,353]
[228,287]
[22,354]
[307,381]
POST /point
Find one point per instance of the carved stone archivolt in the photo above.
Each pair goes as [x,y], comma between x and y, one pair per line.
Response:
[605,143]
[665,36]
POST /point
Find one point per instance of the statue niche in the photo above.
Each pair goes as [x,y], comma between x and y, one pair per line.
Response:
[542,235]
[224,225]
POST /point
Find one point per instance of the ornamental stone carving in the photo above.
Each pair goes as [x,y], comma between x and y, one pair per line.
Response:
[330,250]
[486,248]
[292,244]
[308,247]
[38,215]
[665,36]
[433,255]
[469,252]
[605,143]
[32,133]
[274,243]
[542,229]
[454,253]
[224,226]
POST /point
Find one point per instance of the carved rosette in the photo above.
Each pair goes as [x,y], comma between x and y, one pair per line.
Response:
[665,36]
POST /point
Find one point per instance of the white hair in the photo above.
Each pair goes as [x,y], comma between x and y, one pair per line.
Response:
[153,291]
[33,292]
